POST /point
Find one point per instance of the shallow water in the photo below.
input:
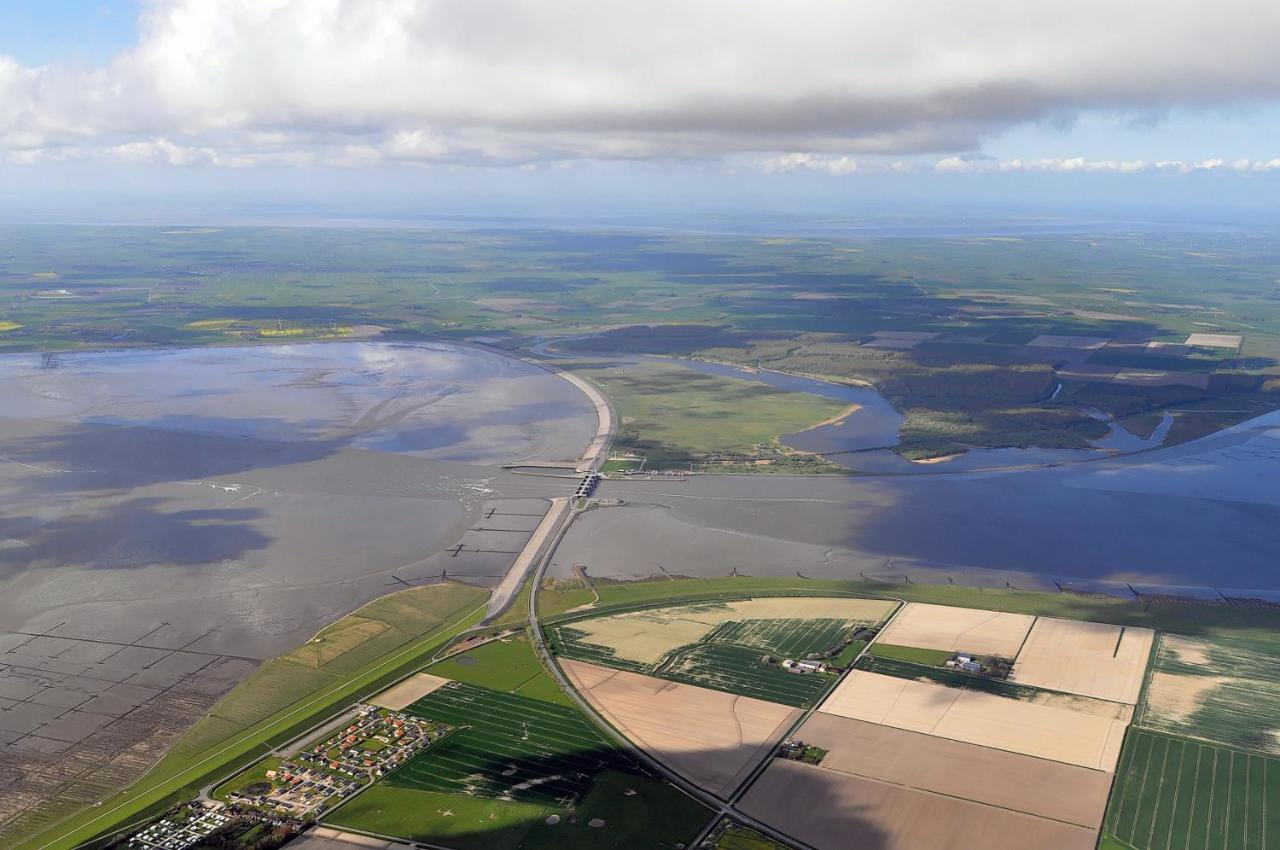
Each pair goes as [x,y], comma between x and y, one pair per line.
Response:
[433,400]
[1201,515]
[861,441]
[259,492]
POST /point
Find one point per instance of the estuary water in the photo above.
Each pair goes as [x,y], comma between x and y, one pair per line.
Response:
[259,492]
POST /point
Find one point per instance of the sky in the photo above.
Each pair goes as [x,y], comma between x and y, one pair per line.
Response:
[132,108]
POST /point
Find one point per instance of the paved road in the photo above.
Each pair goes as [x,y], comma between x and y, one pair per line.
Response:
[506,589]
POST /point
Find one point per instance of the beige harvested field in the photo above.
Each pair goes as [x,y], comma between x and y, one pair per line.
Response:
[647,636]
[1174,698]
[1190,650]
[1092,659]
[709,737]
[960,629]
[1017,726]
[409,691]
[1215,340]
[1085,705]
[1034,786]
[830,810]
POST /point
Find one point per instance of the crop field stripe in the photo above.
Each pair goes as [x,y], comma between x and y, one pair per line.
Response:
[504,742]
[1151,793]
[1176,820]
[1180,794]
[1190,808]
[737,670]
[1167,805]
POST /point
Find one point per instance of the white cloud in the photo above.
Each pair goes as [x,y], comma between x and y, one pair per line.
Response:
[236,82]
[960,165]
[783,163]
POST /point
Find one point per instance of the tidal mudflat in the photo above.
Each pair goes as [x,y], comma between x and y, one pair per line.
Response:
[170,517]
[1202,514]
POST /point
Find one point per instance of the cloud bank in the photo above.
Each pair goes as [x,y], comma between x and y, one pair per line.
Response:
[357,82]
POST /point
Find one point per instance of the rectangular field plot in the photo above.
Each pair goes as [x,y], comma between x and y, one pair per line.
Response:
[508,746]
[409,691]
[711,738]
[1175,793]
[789,638]
[1091,659]
[1014,725]
[720,645]
[958,629]
[638,640]
[1033,786]
[831,810]
[1228,693]
[738,671]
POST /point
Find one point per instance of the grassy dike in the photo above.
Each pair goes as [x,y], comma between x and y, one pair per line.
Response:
[180,777]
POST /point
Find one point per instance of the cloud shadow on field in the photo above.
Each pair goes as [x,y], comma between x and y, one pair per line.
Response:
[642,821]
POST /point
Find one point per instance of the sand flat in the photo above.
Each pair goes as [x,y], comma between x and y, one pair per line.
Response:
[1016,726]
[959,629]
[1091,659]
[710,737]
[831,810]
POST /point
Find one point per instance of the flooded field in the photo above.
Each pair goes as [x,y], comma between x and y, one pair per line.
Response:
[1198,514]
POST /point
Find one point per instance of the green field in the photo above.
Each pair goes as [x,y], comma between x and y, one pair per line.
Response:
[1236,686]
[458,821]
[675,417]
[513,762]
[639,813]
[738,670]
[508,745]
[944,676]
[729,657]
[791,638]
[271,707]
[1176,793]
[257,774]
[846,656]
[927,657]
[507,664]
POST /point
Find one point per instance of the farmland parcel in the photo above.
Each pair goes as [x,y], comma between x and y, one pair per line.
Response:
[1092,659]
[710,737]
[1018,726]
[1227,692]
[936,765]
[958,629]
[834,811]
[1172,792]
